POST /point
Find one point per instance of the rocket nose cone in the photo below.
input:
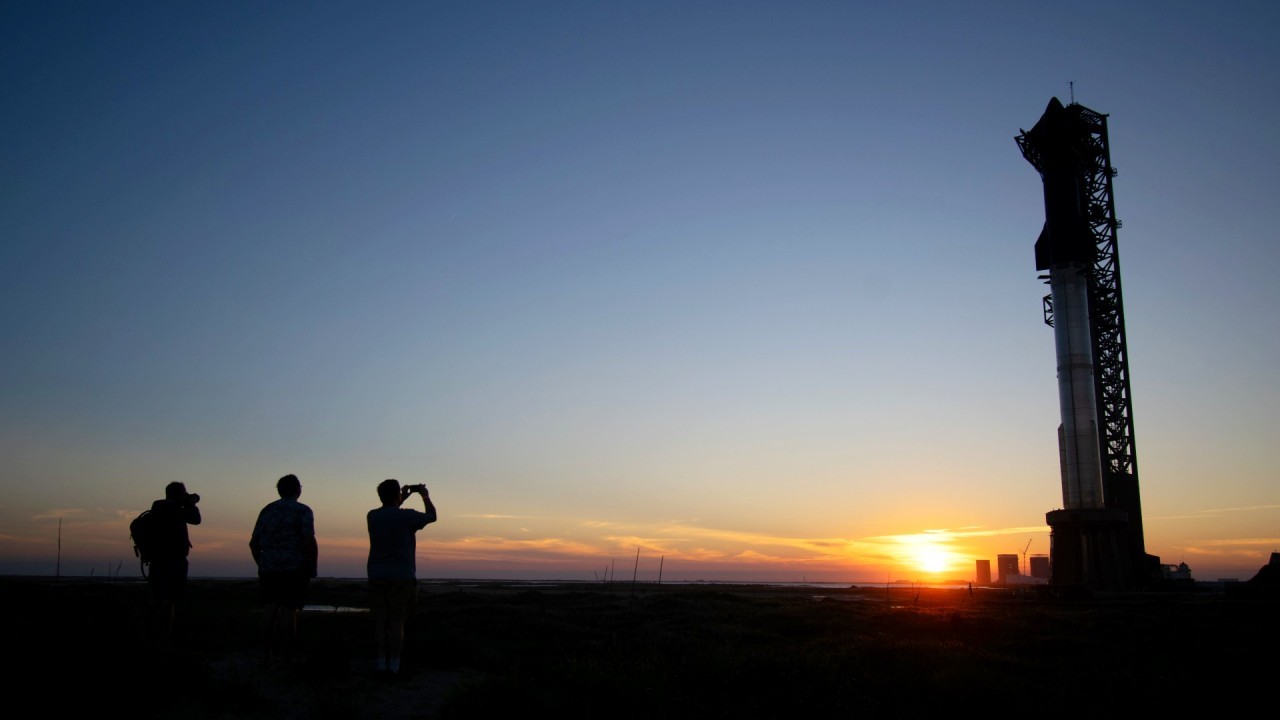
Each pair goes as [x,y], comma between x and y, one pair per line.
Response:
[1050,124]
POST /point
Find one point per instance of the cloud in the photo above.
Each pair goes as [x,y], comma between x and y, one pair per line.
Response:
[493,547]
[597,523]
[699,544]
[755,557]
[968,532]
[60,514]
[1237,550]
[1237,542]
[646,544]
[1220,552]
[678,542]
[88,516]
[1245,508]
[702,554]
[685,533]
[1214,512]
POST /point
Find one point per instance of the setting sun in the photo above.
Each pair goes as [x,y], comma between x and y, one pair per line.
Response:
[933,560]
[930,552]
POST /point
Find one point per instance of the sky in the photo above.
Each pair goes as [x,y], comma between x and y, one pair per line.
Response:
[745,288]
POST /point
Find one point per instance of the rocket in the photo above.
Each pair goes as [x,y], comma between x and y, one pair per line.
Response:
[1058,148]
[1096,539]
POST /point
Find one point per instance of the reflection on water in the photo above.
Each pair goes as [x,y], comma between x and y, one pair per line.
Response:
[333,609]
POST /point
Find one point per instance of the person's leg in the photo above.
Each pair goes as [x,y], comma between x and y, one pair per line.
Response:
[289,627]
[159,618]
[178,592]
[395,643]
[295,598]
[380,640]
[163,627]
[269,615]
[378,607]
[165,586]
[268,593]
[401,606]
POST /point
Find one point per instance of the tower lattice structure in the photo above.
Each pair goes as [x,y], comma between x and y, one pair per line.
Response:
[1106,316]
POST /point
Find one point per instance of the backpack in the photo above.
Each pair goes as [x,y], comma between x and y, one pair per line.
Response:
[144,534]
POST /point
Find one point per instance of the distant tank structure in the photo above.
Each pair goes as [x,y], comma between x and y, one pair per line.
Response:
[1040,567]
[983,573]
[1006,567]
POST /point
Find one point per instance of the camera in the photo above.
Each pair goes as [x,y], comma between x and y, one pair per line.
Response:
[407,490]
[192,499]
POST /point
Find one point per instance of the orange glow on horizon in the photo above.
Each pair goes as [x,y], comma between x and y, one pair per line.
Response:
[573,547]
[938,554]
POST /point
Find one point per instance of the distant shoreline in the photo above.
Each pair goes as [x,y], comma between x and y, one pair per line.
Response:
[1198,587]
[554,581]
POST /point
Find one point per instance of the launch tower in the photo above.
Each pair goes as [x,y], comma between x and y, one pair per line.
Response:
[1096,538]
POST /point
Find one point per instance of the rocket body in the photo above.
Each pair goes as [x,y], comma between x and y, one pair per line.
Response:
[1066,249]
[1079,452]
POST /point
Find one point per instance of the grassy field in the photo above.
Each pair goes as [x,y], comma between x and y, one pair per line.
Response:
[662,652]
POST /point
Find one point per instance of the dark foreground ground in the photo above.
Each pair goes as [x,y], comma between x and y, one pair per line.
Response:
[674,651]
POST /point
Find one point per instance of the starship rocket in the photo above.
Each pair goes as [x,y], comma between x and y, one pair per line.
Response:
[1066,249]
[1096,538]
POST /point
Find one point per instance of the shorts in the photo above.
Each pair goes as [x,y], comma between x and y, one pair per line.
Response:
[168,580]
[287,588]
[393,600]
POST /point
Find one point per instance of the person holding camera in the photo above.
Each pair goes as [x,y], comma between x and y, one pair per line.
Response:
[392,567]
[169,546]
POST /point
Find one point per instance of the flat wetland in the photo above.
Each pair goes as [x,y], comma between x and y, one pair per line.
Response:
[611,651]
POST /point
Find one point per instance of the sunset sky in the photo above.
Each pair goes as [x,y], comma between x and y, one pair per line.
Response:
[747,286]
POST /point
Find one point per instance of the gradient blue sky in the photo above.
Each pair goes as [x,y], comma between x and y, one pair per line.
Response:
[746,285]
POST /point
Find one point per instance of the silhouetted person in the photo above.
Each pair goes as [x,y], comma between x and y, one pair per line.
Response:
[169,546]
[284,547]
[393,584]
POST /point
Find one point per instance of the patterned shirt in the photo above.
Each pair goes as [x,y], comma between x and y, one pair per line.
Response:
[283,536]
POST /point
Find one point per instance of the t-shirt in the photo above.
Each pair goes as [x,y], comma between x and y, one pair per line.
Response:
[284,535]
[393,542]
